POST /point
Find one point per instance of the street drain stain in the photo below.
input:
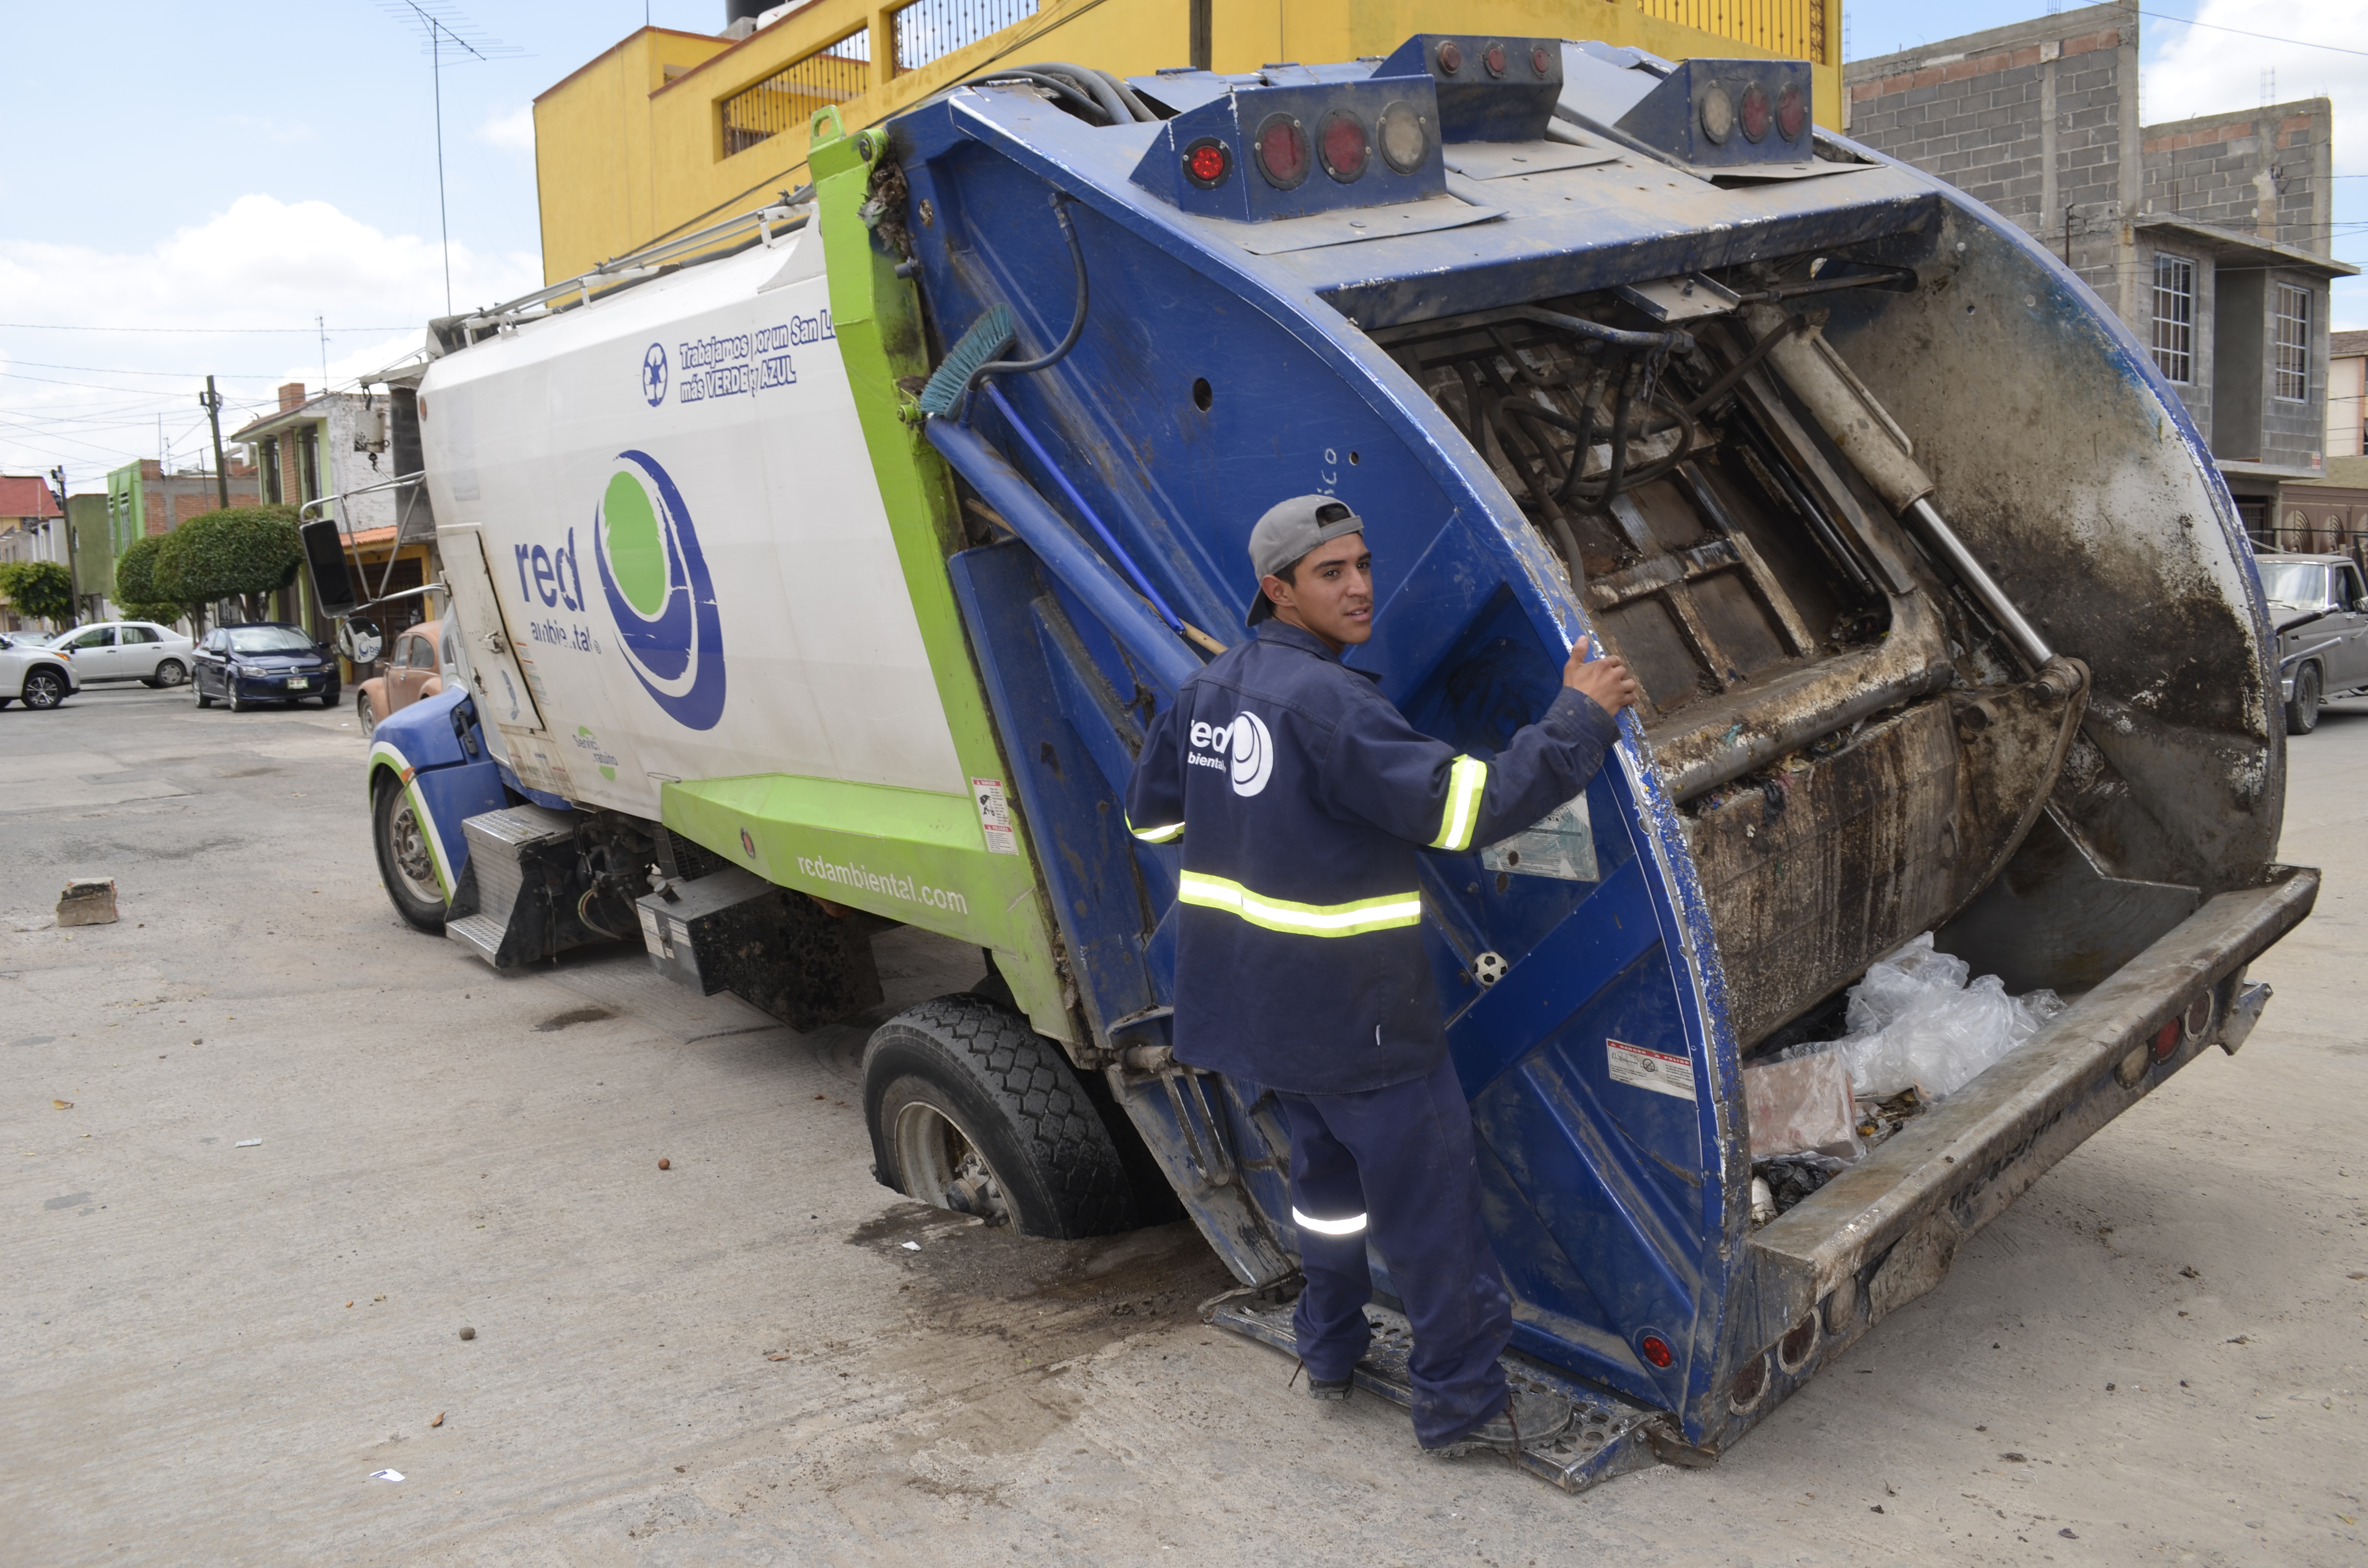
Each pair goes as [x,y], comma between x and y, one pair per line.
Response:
[572,1016]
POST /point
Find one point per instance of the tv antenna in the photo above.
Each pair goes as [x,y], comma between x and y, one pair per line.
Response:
[441,24]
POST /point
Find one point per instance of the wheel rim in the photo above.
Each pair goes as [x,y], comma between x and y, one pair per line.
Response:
[2308,697]
[170,673]
[367,714]
[43,691]
[942,1168]
[407,846]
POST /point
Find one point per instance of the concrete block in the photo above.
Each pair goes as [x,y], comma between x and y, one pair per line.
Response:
[88,901]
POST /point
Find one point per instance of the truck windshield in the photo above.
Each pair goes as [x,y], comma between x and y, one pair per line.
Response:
[2295,582]
[269,639]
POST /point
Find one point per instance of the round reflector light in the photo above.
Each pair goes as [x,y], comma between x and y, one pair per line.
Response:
[1656,1350]
[1717,114]
[1493,57]
[1207,163]
[1283,150]
[1341,142]
[2166,1040]
[1792,111]
[1754,112]
[1541,62]
[1405,137]
[1451,57]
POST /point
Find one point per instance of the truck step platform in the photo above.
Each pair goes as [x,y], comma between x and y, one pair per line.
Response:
[1610,1437]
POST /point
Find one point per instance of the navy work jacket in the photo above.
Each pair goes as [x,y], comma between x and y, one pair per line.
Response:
[1306,794]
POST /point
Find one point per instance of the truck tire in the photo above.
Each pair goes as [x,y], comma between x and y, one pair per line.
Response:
[2302,713]
[403,865]
[971,1109]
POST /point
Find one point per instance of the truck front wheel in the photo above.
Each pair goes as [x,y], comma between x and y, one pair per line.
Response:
[404,860]
[972,1110]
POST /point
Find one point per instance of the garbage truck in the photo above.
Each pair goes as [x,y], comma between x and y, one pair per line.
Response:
[818,573]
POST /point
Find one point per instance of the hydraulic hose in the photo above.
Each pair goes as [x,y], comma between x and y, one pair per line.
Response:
[1076,322]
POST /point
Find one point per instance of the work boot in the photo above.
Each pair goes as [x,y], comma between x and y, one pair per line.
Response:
[1532,1418]
[1324,1388]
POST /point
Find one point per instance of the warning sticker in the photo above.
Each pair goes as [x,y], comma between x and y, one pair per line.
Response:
[995,816]
[651,938]
[1642,1069]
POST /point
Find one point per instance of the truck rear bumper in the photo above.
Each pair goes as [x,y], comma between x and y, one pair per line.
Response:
[1883,1233]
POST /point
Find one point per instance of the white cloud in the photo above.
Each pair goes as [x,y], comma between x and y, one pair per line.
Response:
[260,263]
[513,131]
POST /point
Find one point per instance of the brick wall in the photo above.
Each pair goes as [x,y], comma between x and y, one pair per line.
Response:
[2263,173]
[2037,119]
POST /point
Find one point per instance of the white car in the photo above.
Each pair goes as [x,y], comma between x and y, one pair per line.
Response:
[36,675]
[127,649]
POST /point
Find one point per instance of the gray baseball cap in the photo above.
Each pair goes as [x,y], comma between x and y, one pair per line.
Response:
[1288,531]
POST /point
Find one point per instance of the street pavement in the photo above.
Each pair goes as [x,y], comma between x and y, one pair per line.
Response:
[213,1343]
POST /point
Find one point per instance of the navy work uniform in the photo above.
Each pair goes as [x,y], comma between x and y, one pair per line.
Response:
[1300,966]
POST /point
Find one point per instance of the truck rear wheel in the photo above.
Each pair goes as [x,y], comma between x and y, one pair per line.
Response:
[404,860]
[972,1110]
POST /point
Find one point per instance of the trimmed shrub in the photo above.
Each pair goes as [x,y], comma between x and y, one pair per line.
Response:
[245,553]
[41,589]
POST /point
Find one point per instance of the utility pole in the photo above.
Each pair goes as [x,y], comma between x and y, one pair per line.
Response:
[66,521]
[212,402]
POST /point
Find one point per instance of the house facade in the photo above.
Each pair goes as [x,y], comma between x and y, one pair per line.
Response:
[2208,236]
[31,529]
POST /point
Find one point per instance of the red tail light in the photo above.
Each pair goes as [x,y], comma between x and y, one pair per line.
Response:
[1493,57]
[1345,147]
[1283,150]
[1207,163]
[1541,62]
[1656,1350]
[1792,112]
[1451,57]
[1753,112]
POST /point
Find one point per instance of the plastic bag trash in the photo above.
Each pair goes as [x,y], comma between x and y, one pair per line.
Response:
[1802,1105]
[386,1475]
[248,1144]
[910,1246]
[1916,1024]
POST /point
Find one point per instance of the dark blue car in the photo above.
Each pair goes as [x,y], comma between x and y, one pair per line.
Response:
[264,661]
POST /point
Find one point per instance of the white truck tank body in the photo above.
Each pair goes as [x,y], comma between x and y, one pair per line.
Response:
[687,544]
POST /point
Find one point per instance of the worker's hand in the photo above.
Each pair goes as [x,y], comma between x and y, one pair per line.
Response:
[1606,679]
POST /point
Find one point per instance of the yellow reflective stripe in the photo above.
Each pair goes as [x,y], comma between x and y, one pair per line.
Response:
[1300,919]
[1465,782]
[1167,835]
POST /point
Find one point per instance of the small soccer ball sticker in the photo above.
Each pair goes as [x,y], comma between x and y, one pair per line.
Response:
[1488,969]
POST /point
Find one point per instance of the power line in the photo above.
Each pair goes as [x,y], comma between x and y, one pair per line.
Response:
[2266,38]
[196,331]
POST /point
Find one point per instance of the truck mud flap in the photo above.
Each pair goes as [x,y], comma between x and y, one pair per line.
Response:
[1610,1437]
[1883,1233]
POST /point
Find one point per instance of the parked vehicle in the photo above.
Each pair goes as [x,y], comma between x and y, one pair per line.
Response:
[37,676]
[2319,607]
[419,667]
[263,662]
[129,650]
[816,632]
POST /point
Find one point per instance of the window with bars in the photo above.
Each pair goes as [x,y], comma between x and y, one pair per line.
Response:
[2293,344]
[832,75]
[932,30]
[2174,317]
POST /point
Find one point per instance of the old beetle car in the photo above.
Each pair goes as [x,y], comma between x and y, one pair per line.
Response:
[417,669]
[263,662]
[2319,607]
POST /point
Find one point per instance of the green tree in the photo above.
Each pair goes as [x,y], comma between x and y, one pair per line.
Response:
[245,553]
[137,593]
[41,589]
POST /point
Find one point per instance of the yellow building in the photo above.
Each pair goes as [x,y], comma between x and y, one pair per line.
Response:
[669,130]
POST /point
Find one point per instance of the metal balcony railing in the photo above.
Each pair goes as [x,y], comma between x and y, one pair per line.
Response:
[831,75]
[1794,29]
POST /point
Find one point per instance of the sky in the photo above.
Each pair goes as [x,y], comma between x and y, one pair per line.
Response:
[186,196]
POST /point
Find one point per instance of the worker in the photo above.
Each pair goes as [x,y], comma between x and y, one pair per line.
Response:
[1301,797]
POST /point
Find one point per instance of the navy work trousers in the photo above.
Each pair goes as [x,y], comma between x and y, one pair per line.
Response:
[1395,1167]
